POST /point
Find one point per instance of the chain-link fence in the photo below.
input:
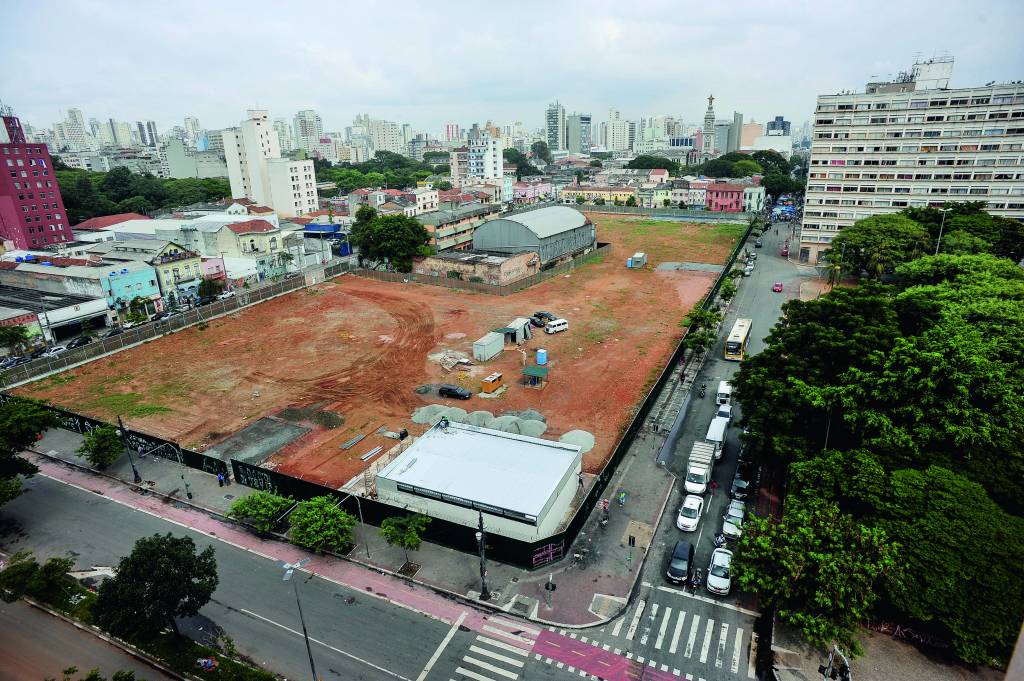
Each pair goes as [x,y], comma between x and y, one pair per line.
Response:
[601,251]
[243,297]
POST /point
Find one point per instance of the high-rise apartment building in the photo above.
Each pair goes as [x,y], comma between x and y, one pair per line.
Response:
[308,129]
[735,133]
[617,132]
[485,159]
[554,127]
[285,135]
[912,143]
[193,130]
[578,136]
[147,133]
[70,134]
[31,208]
[257,171]
[451,132]
[709,128]
[778,126]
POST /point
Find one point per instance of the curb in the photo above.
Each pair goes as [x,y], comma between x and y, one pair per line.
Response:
[116,642]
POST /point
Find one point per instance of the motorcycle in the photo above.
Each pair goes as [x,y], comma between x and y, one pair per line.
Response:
[703,388]
[622,498]
[719,540]
[696,581]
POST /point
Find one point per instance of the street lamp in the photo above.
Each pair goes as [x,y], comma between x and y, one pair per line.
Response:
[481,540]
[362,525]
[289,569]
[124,439]
[942,224]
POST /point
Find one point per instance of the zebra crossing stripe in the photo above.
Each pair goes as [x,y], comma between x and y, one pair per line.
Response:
[495,656]
[490,667]
[474,675]
[664,625]
[706,647]
[636,619]
[693,636]
[504,646]
[723,640]
[736,647]
[675,635]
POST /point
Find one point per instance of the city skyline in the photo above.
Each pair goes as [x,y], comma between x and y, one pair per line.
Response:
[683,57]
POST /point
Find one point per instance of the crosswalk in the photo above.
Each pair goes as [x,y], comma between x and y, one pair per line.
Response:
[498,653]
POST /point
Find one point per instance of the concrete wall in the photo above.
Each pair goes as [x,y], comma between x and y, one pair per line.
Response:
[512,269]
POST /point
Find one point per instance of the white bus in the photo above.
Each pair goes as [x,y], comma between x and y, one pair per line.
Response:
[736,344]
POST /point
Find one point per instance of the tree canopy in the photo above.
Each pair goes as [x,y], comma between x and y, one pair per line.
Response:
[385,168]
[21,422]
[164,577]
[772,161]
[102,446]
[648,161]
[87,194]
[395,239]
[523,166]
[878,244]
[319,524]
[261,509]
[540,150]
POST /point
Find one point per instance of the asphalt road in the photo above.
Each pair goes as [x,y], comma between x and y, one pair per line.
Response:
[35,645]
[709,637]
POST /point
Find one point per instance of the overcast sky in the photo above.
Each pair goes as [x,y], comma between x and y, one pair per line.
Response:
[426,63]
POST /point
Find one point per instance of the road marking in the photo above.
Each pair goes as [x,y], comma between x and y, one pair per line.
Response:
[707,641]
[647,629]
[605,647]
[490,667]
[693,636]
[516,626]
[664,667]
[664,626]
[618,626]
[712,601]
[573,635]
[736,648]
[640,660]
[678,630]
[583,639]
[474,675]
[504,646]
[618,651]
[440,648]
[636,619]
[752,657]
[511,637]
[495,656]
[723,640]
[326,645]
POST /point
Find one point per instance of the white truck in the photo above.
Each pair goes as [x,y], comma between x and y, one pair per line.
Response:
[699,467]
[724,395]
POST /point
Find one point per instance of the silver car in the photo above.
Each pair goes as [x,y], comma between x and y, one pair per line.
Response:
[719,579]
[732,521]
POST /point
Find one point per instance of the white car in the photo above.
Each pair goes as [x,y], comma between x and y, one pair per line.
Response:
[719,579]
[732,521]
[690,512]
[225,295]
[55,350]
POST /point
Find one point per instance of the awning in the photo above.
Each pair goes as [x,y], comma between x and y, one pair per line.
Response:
[505,329]
[536,372]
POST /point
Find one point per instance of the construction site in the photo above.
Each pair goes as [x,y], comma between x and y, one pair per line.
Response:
[326,383]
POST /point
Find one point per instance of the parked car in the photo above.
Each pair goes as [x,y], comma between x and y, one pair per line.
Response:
[752,256]
[132,325]
[55,350]
[690,512]
[448,390]
[292,275]
[777,287]
[537,322]
[678,570]
[784,252]
[225,295]
[206,300]
[111,332]
[758,243]
[748,270]
[79,342]
[719,580]
[732,521]
[742,484]
[546,316]
[160,315]
[18,361]
[8,362]
[556,326]
[37,353]
[725,412]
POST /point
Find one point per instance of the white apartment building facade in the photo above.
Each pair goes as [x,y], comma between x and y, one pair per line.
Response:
[616,132]
[485,158]
[308,129]
[901,147]
[554,127]
[257,171]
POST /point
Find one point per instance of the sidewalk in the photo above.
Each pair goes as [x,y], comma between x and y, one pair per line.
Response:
[593,594]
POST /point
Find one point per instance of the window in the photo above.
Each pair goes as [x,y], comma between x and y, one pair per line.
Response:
[919,104]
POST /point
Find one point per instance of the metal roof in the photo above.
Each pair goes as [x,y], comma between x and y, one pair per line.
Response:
[38,301]
[549,221]
[535,371]
[508,471]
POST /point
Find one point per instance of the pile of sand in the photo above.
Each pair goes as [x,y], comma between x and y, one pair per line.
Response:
[581,438]
[426,414]
[479,418]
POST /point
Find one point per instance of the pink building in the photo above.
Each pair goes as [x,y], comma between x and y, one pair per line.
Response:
[526,193]
[724,197]
[31,208]
[213,268]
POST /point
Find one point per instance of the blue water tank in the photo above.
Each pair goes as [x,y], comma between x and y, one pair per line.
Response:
[19,259]
[542,356]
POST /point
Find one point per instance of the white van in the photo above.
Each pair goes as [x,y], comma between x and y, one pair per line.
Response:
[716,435]
[556,326]
[724,392]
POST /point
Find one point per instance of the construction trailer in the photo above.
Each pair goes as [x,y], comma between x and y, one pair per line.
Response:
[488,346]
[638,260]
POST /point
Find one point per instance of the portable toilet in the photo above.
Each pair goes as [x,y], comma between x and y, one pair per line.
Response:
[542,356]
[491,383]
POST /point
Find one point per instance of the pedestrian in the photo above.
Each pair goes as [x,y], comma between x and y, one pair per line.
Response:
[141,453]
[714,486]
[227,479]
[220,479]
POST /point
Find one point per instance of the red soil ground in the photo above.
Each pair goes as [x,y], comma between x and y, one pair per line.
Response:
[359,348]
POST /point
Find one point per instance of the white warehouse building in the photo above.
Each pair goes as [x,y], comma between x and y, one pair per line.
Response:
[524,486]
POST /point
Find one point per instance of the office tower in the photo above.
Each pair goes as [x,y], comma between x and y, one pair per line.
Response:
[554,128]
[308,129]
[578,133]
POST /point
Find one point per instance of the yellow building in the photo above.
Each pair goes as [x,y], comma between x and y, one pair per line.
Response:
[590,194]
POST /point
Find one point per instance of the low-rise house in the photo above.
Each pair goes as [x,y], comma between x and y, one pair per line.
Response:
[453,228]
[724,197]
[178,269]
[528,193]
[591,193]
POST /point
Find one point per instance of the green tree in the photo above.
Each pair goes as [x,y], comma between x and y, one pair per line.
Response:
[666,202]
[701,328]
[746,168]
[878,244]
[260,509]
[13,337]
[405,531]
[523,166]
[819,567]
[580,200]
[163,578]
[442,185]
[631,201]
[727,291]
[596,164]
[321,525]
[599,201]
[718,168]
[101,447]
[209,288]
[776,184]
[24,576]
[21,423]
[963,559]
[540,150]
[117,184]
[395,239]
[771,161]
[649,162]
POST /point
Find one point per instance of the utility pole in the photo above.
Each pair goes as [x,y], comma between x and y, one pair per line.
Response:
[289,570]
[942,224]
[127,447]
[481,540]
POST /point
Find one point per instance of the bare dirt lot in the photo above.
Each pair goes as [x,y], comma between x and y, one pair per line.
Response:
[360,348]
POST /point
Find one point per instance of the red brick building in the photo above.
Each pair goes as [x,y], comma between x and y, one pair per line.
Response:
[724,197]
[32,211]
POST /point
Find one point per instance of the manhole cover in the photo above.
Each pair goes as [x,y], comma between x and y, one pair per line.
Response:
[229,496]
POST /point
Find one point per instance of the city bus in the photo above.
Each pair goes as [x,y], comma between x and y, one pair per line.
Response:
[736,344]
